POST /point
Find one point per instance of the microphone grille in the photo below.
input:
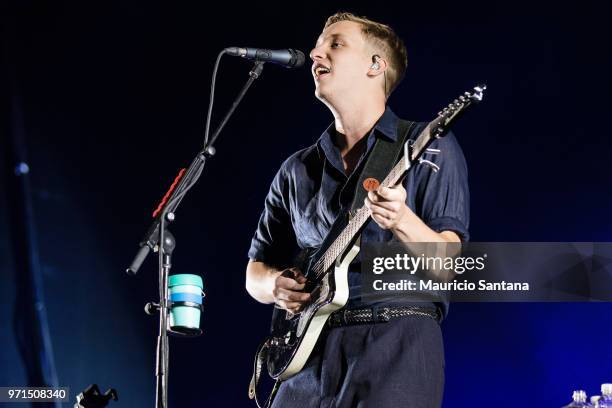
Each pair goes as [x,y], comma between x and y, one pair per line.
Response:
[299,58]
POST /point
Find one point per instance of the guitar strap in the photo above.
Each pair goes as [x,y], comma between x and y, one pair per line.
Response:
[378,165]
[380,162]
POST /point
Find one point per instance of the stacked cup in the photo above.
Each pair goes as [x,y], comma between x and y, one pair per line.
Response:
[186,293]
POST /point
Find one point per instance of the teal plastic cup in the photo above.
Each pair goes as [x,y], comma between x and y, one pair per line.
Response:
[186,293]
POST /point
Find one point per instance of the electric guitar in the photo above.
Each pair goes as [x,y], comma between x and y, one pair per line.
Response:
[294,336]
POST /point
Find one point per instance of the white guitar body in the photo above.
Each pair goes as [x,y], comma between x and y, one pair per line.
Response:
[309,327]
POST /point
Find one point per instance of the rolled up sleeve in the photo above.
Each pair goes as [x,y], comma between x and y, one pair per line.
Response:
[442,199]
[274,241]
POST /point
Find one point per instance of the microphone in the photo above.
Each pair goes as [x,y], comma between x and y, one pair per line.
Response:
[288,58]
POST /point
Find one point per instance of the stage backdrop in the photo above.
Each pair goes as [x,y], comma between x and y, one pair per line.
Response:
[112,99]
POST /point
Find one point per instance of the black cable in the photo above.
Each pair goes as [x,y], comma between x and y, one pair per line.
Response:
[212,97]
[182,189]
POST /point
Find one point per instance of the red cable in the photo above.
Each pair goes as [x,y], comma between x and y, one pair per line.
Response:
[169,192]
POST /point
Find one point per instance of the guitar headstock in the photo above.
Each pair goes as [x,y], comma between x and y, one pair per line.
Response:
[437,128]
[448,115]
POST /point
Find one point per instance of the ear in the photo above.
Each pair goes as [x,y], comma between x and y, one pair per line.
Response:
[378,66]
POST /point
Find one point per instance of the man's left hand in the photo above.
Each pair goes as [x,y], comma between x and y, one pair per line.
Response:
[388,206]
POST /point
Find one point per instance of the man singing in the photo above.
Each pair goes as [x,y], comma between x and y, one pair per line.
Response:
[357,63]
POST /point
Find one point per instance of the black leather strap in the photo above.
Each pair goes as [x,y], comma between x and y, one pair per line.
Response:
[260,357]
[381,160]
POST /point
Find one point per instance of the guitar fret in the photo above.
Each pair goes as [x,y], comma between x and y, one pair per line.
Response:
[361,216]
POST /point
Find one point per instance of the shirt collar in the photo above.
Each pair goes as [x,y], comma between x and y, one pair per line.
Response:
[386,126]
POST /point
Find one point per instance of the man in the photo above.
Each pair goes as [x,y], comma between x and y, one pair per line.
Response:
[357,63]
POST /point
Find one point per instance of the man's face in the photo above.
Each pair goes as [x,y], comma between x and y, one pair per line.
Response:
[341,59]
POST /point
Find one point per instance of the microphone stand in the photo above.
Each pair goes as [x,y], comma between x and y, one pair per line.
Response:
[158,232]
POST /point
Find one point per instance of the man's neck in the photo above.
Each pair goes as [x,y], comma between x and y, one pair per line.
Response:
[354,122]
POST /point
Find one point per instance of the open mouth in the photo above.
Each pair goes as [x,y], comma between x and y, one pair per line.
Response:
[320,71]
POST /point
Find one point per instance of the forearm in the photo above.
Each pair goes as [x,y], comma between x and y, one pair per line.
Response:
[410,228]
[260,281]
[388,208]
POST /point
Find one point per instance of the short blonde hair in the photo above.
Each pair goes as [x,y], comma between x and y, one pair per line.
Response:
[383,37]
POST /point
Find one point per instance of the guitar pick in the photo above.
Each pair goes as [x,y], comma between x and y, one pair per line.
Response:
[371,184]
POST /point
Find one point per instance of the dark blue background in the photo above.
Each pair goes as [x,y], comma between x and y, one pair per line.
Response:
[113,96]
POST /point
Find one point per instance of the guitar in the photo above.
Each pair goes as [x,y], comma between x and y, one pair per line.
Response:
[293,336]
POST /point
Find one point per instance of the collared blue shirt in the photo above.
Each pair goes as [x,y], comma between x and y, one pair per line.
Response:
[311,189]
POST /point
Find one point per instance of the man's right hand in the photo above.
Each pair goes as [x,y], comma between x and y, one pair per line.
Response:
[288,290]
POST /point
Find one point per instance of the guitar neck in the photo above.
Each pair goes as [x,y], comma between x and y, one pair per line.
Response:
[434,129]
[362,215]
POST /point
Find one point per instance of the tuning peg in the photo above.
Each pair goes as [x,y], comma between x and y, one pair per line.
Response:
[430,150]
[479,90]
[433,166]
